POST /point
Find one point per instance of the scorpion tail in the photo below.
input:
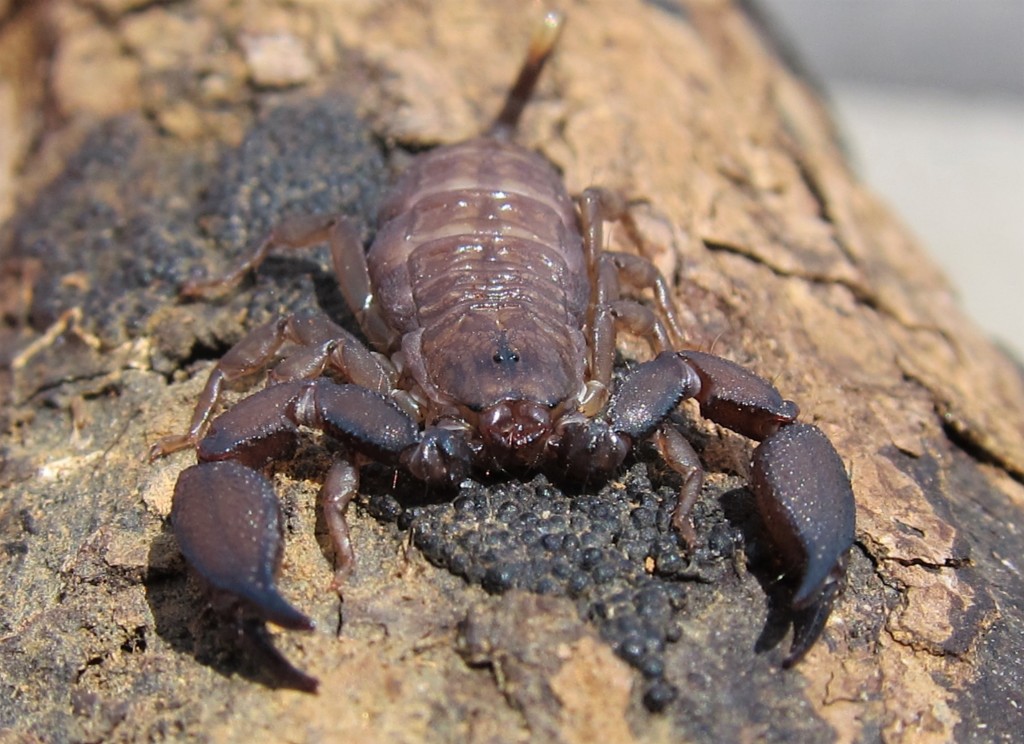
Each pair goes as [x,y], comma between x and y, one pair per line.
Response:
[541,46]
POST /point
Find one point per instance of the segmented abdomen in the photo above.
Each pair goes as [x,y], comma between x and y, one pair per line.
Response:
[482,224]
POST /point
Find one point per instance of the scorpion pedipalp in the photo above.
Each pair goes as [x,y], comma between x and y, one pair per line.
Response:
[802,491]
[227,520]
[806,502]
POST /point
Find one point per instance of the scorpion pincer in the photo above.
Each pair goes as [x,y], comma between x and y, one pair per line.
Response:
[492,311]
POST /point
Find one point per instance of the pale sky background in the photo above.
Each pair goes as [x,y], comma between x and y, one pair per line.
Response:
[930,97]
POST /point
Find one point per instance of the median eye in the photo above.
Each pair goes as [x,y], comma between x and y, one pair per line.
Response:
[503,356]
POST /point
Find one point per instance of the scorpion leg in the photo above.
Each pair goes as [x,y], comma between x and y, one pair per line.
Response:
[641,321]
[640,274]
[607,271]
[295,233]
[323,342]
[801,487]
[679,455]
[340,486]
[247,356]
[597,206]
[604,289]
[349,257]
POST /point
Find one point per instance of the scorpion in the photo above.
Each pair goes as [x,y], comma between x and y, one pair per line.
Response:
[492,309]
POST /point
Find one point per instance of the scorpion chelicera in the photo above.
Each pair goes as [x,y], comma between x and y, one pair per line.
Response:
[492,309]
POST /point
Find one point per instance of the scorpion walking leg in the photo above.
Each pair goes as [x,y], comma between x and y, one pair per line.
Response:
[340,486]
[639,274]
[600,324]
[249,355]
[347,254]
[349,257]
[679,455]
[597,206]
[642,321]
[645,398]
[295,233]
[324,343]
[608,270]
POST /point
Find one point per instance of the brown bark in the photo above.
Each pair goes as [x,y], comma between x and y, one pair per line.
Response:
[136,157]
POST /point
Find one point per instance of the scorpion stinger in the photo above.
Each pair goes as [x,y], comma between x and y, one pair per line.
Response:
[541,47]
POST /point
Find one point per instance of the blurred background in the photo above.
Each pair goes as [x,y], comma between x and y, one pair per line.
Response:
[930,97]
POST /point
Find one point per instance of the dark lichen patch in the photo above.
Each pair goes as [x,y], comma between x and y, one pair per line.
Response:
[613,551]
[135,215]
[991,628]
[124,187]
[302,157]
[687,623]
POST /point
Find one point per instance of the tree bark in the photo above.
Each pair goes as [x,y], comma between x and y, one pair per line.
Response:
[149,140]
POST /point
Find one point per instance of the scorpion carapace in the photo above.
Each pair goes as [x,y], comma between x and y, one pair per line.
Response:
[492,309]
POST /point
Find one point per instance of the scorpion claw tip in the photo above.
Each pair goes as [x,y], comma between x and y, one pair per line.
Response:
[270,605]
[805,498]
[284,672]
[228,524]
[227,521]
[809,621]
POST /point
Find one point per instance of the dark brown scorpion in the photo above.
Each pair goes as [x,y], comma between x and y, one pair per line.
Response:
[493,311]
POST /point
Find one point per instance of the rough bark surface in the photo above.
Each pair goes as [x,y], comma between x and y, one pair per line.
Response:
[145,141]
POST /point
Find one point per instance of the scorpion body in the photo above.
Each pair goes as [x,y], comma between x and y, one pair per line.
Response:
[492,309]
[479,266]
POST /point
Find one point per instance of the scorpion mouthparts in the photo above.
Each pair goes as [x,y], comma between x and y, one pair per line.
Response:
[515,431]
